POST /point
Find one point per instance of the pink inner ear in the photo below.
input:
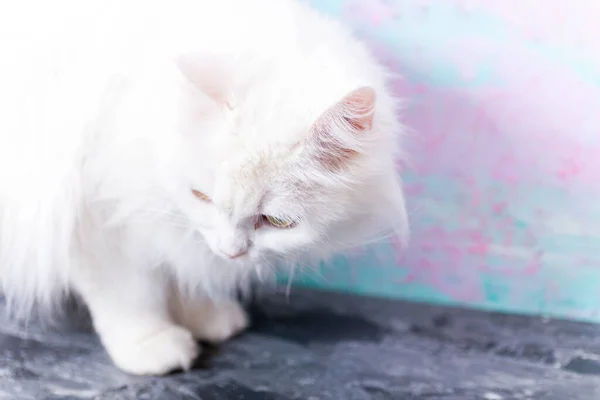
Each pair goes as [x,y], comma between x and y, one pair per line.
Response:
[353,114]
[358,108]
[208,75]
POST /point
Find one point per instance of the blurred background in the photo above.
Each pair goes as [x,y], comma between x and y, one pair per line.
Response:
[504,177]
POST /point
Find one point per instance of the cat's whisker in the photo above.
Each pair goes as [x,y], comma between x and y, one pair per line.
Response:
[165,223]
[157,211]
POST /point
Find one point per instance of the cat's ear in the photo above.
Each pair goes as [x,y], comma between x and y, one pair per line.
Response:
[210,75]
[339,133]
[358,108]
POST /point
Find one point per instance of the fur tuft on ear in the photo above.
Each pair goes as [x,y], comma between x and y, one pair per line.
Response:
[210,75]
[338,133]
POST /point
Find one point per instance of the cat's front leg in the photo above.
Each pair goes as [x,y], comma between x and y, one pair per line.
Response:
[211,321]
[130,312]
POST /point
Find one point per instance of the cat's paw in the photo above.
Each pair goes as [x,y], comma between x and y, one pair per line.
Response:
[215,322]
[159,353]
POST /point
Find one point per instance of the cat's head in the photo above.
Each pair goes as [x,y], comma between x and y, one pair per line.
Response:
[291,168]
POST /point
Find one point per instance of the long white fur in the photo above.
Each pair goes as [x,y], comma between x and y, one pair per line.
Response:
[112,110]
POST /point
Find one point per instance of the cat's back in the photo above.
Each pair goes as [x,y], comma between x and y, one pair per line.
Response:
[57,68]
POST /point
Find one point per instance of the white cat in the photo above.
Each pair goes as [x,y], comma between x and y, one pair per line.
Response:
[155,155]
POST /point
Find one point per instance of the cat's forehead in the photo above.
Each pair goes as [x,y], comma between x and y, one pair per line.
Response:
[251,154]
[251,181]
[276,116]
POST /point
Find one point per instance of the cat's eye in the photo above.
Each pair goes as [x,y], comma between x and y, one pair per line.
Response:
[200,195]
[281,223]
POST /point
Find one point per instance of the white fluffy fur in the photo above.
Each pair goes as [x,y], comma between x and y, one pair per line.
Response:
[113,110]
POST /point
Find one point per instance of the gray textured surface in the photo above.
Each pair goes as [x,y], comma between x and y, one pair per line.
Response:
[324,346]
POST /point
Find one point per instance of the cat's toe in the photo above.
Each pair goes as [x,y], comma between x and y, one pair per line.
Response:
[216,323]
[170,349]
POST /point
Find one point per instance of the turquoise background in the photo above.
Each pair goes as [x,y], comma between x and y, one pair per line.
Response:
[504,180]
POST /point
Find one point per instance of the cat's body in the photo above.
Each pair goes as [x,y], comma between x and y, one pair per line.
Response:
[154,155]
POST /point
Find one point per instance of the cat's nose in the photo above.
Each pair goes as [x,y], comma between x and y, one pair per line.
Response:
[232,243]
[233,249]
[236,254]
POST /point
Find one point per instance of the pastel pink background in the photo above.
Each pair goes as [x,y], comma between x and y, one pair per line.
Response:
[504,176]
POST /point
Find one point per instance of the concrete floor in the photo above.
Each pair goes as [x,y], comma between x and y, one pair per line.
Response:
[317,346]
